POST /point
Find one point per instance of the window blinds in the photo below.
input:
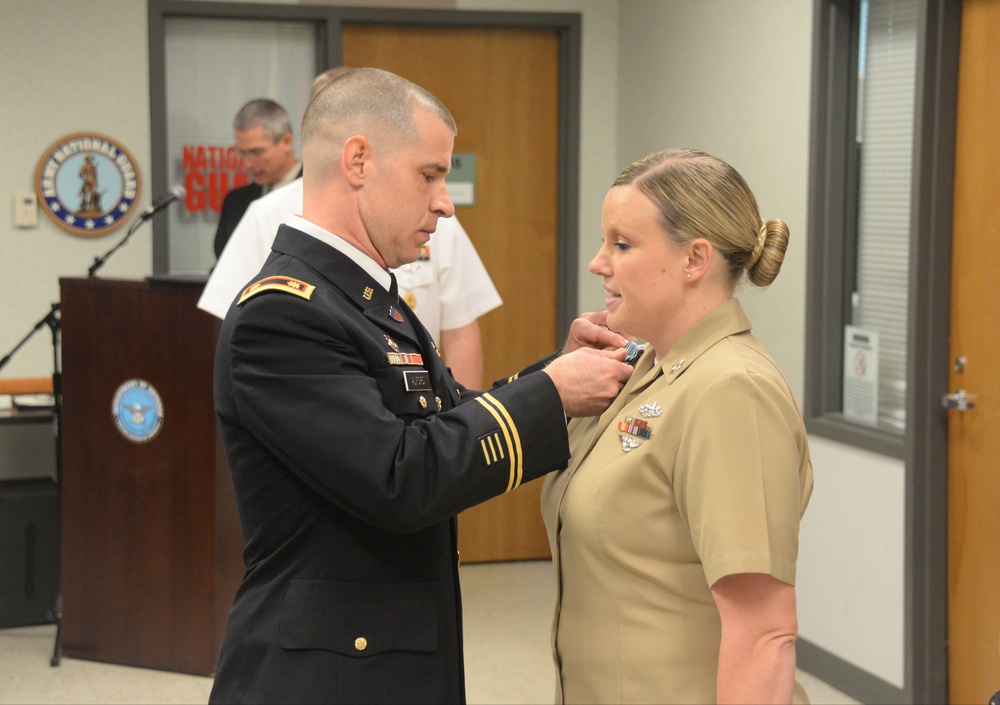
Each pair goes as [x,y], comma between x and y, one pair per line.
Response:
[885,139]
[213,67]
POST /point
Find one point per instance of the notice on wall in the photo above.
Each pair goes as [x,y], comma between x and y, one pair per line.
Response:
[860,374]
[461,179]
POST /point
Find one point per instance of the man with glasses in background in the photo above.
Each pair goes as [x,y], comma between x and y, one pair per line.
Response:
[264,140]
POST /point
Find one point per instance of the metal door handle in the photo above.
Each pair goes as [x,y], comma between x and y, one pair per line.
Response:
[959,401]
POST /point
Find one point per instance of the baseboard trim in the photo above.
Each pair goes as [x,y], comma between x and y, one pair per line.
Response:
[846,677]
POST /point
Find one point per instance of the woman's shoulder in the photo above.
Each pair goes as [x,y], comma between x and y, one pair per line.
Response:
[737,360]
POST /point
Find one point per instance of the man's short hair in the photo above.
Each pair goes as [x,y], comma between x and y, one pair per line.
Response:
[324,79]
[263,112]
[370,101]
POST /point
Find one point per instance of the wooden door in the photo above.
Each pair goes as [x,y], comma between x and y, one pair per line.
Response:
[974,435]
[502,86]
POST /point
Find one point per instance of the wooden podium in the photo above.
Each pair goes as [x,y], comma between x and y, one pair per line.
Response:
[151,545]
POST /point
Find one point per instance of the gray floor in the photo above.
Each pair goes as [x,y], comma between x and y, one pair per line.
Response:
[508,608]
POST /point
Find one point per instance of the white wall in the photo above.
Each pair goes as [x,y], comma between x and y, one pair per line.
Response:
[67,68]
[731,78]
[728,76]
[851,561]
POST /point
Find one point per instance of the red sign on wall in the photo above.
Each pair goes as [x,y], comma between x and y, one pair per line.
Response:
[210,172]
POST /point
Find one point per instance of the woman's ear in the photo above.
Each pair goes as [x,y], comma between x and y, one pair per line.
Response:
[699,260]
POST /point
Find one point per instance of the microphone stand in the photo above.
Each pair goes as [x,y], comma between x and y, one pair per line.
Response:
[52,320]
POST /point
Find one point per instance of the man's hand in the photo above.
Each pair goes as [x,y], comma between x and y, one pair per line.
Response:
[588,380]
[590,330]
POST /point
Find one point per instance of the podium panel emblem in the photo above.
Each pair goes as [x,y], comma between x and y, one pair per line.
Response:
[137,410]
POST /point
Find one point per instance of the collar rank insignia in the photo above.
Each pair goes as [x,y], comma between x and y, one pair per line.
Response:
[676,367]
[650,410]
[401,358]
[284,284]
[628,443]
[635,427]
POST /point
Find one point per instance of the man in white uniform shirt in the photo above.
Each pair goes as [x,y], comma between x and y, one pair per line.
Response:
[449,290]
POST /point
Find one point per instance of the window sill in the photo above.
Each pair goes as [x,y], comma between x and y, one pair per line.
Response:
[837,427]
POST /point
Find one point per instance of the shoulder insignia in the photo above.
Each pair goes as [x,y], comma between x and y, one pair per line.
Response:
[285,284]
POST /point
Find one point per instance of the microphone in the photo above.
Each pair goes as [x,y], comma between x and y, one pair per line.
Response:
[176,192]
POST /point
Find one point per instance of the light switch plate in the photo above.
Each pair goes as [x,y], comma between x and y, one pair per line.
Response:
[25,210]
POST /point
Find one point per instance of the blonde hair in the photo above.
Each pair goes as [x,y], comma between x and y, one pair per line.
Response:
[701,196]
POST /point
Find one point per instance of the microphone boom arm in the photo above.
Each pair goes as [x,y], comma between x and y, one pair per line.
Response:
[176,193]
[99,261]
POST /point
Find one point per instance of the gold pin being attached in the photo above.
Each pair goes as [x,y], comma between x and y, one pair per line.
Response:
[411,300]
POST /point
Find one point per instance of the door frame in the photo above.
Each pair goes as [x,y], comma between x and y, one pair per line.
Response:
[329,22]
[929,331]
[924,446]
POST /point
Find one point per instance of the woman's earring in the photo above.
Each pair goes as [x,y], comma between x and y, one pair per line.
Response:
[689,275]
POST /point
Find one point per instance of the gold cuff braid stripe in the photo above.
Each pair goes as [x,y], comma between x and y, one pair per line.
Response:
[510,435]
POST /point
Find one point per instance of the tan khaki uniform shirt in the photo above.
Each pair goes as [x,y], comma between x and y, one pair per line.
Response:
[700,469]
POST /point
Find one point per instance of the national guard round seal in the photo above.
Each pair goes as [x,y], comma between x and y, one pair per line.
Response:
[137,410]
[88,184]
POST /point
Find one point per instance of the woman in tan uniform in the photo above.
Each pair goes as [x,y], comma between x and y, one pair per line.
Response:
[674,530]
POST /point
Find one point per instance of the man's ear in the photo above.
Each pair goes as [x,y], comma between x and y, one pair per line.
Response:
[354,159]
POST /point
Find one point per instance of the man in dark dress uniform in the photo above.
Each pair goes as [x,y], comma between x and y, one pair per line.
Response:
[351,446]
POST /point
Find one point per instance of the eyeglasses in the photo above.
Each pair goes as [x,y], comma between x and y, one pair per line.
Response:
[256,153]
